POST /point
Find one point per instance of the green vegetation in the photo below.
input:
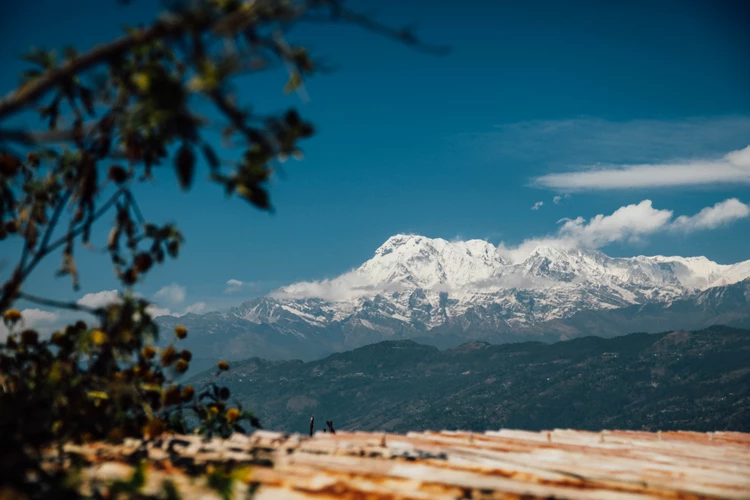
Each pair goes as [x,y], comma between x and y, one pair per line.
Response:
[112,115]
[682,380]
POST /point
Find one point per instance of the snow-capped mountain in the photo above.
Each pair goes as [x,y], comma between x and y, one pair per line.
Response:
[415,286]
[423,283]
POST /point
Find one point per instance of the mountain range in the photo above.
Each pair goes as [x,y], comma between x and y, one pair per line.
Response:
[446,293]
[671,380]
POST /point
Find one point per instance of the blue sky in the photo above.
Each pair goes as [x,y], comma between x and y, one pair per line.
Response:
[459,146]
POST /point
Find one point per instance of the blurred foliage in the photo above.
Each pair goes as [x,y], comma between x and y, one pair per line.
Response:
[112,115]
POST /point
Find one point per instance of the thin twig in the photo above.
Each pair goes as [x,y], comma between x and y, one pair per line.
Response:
[43,252]
[59,304]
[78,230]
[134,206]
[55,218]
[365,21]
[47,232]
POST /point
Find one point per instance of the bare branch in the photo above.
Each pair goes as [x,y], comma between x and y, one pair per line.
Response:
[59,304]
[79,229]
[405,36]
[55,218]
[30,138]
[27,94]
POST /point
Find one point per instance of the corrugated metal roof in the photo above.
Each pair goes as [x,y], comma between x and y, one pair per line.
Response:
[450,465]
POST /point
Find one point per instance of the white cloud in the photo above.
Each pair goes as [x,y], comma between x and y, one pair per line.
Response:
[233,286]
[559,198]
[345,287]
[155,311]
[561,144]
[537,205]
[100,299]
[35,317]
[630,224]
[733,167]
[38,319]
[107,297]
[172,294]
[711,217]
[196,308]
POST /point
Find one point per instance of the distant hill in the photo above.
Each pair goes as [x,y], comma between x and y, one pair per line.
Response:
[678,380]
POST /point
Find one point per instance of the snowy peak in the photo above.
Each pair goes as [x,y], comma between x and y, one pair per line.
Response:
[428,263]
[408,262]
[695,272]
[422,283]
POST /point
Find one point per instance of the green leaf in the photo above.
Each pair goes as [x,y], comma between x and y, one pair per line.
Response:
[185,165]
[210,155]
[295,80]
[41,57]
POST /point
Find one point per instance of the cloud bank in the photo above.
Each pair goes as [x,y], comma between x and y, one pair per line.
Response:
[173,294]
[733,168]
[348,285]
[630,223]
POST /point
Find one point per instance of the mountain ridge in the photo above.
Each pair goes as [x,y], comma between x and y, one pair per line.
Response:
[676,379]
[418,287]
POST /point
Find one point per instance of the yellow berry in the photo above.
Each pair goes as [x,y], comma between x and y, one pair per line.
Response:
[12,315]
[168,356]
[223,365]
[98,337]
[171,395]
[58,338]
[154,428]
[187,393]
[233,414]
[180,332]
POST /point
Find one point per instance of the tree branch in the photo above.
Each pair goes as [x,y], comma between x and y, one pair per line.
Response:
[58,304]
[30,138]
[47,232]
[27,94]
[364,21]
[44,251]
[134,206]
[55,218]
[170,28]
